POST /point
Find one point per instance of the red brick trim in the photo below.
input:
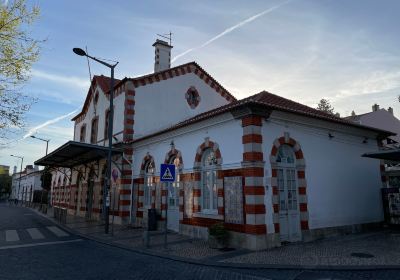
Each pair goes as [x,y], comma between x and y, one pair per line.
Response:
[254,209]
[174,153]
[253,156]
[251,138]
[124,202]
[204,146]
[252,120]
[256,229]
[256,190]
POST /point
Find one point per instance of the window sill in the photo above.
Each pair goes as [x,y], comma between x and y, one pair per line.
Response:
[208,216]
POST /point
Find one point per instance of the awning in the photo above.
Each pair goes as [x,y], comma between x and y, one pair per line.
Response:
[393,155]
[75,153]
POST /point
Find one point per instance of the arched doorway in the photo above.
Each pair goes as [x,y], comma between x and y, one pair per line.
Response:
[173,191]
[78,197]
[289,212]
[89,195]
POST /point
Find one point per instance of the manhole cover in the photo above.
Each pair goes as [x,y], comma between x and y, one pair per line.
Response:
[362,255]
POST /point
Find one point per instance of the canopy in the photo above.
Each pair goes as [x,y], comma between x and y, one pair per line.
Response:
[75,153]
[393,155]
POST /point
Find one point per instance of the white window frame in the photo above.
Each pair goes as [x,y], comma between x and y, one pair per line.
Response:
[213,198]
[176,162]
[148,184]
[287,163]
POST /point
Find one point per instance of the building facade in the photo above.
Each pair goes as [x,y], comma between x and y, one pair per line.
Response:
[25,183]
[270,169]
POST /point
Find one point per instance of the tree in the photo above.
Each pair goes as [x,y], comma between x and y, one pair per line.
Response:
[46,178]
[325,106]
[5,185]
[18,51]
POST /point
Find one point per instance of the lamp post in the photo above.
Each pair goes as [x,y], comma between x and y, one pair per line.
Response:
[20,174]
[106,188]
[47,148]
[45,140]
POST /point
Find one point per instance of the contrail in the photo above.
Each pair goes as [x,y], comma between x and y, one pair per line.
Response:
[230,29]
[36,128]
[49,122]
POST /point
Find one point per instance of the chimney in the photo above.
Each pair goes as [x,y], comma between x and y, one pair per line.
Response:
[353,114]
[162,56]
[28,169]
[15,169]
[390,110]
[375,107]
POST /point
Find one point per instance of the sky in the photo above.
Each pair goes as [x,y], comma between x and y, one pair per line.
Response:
[305,50]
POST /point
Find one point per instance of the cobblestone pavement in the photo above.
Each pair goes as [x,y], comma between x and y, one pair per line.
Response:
[378,248]
[374,248]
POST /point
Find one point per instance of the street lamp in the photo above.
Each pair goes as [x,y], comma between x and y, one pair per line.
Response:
[106,187]
[47,148]
[20,174]
[45,140]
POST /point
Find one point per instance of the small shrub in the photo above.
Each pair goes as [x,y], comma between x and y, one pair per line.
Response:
[219,232]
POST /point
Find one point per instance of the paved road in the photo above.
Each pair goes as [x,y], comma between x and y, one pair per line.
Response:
[32,247]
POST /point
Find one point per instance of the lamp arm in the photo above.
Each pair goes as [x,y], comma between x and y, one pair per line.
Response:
[102,62]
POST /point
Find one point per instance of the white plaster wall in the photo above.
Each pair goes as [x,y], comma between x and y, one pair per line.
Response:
[31,179]
[342,187]
[162,104]
[101,107]
[227,134]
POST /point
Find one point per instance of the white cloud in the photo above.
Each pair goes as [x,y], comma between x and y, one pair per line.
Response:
[374,82]
[36,129]
[47,123]
[230,29]
[65,80]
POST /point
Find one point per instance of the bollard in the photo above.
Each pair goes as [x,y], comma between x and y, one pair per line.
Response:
[146,239]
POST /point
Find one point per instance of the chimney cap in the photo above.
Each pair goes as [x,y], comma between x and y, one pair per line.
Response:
[375,107]
[161,42]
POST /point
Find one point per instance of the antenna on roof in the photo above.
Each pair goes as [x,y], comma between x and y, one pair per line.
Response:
[88,64]
[167,36]
[90,76]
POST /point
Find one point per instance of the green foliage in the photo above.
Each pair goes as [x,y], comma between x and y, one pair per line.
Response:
[5,184]
[325,106]
[46,178]
[219,232]
[18,51]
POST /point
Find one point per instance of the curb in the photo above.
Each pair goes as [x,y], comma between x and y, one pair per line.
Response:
[225,265]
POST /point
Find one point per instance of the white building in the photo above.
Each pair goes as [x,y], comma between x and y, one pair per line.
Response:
[272,170]
[25,183]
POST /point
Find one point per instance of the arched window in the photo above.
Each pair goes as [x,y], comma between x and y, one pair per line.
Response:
[93,132]
[209,197]
[173,192]
[82,136]
[148,182]
[285,155]
[106,124]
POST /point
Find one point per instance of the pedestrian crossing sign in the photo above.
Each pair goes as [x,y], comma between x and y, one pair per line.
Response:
[167,173]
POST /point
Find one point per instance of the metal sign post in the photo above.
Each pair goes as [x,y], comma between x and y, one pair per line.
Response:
[167,175]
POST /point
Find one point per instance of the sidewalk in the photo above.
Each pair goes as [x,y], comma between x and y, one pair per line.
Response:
[372,250]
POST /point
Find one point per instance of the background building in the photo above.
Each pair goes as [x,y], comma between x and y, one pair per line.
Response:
[25,183]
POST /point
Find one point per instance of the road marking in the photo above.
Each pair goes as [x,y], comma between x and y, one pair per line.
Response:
[12,235]
[57,231]
[35,233]
[39,244]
